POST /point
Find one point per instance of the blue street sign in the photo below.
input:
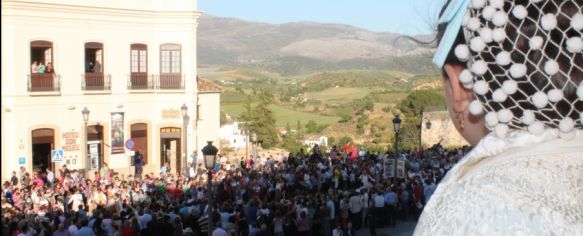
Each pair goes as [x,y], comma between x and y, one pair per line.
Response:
[21,160]
[57,156]
[130,144]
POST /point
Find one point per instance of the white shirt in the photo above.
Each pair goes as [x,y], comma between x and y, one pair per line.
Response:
[523,184]
[379,200]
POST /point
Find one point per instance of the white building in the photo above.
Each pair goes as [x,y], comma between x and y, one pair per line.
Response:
[311,141]
[233,135]
[131,63]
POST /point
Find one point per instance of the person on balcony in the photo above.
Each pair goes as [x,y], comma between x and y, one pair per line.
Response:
[41,68]
[49,68]
[34,67]
[97,67]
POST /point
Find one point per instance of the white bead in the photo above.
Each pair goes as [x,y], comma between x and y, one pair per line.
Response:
[476,108]
[517,70]
[568,136]
[536,128]
[577,22]
[479,67]
[536,43]
[477,45]
[580,91]
[488,12]
[509,87]
[473,24]
[501,130]
[503,58]
[566,125]
[575,44]
[500,18]
[468,85]
[581,117]
[555,95]
[498,34]
[551,67]
[497,3]
[540,99]
[535,1]
[478,4]
[462,52]
[481,87]
[499,95]
[466,76]
[505,115]
[528,117]
[486,35]
[549,22]
[519,12]
[491,119]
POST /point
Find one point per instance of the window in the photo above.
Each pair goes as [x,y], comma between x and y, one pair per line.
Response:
[139,58]
[41,53]
[170,59]
[94,58]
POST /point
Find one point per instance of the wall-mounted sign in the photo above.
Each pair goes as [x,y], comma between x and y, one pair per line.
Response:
[117,144]
[71,139]
[21,160]
[171,114]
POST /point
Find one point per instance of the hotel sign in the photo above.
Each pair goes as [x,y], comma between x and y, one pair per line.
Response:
[70,139]
[170,114]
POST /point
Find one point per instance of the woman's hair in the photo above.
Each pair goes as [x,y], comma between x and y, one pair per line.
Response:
[518,36]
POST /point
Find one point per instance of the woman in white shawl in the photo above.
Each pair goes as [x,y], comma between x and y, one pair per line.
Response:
[513,73]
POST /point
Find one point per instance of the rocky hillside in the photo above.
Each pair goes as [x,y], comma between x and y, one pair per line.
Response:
[305,47]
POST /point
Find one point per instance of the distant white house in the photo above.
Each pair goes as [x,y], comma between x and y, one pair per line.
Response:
[231,134]
[310,141]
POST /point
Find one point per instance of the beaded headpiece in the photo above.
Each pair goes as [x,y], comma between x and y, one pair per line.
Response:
[524,61]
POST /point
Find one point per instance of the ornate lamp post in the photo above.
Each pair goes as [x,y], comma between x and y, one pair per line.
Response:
[397,127]
[85,114]
[428,126]
[210,154]
[185,119]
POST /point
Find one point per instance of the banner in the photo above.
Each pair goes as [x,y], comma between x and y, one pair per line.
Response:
[401,169]
[117,139]
[389,168]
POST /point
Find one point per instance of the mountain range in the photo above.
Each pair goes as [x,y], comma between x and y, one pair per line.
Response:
[307,47]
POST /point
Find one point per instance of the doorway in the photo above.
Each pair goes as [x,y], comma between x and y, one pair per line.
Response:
[43,141]
[170,146]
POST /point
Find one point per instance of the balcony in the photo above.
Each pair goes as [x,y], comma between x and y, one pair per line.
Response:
[170,82]
[140,81]
[49,82]
[96,82]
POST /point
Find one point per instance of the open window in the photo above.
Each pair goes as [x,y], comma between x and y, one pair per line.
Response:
[42,72]
[94,67]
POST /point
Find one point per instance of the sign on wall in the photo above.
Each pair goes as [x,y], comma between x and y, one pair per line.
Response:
[71,139]
[21,160]
[117,140]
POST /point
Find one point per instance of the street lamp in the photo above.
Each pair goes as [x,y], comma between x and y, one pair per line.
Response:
[210,154]
[185,119]
[428,126]
[397,126]
[85,114]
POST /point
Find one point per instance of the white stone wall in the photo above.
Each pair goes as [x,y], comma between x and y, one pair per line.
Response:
[442,130]
[209,121]
[69,24]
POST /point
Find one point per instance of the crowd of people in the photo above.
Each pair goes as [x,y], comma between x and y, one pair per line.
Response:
[305,193]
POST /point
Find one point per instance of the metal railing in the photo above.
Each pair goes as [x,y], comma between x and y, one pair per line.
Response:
[170,81]
[96,82]
[140,81]
[45,82]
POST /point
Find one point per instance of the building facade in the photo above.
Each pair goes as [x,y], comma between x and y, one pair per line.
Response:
[131,65]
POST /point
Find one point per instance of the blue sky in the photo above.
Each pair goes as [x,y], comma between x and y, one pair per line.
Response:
[410,17]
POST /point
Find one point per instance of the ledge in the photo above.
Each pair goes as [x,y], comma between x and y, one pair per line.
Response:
[44,93]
